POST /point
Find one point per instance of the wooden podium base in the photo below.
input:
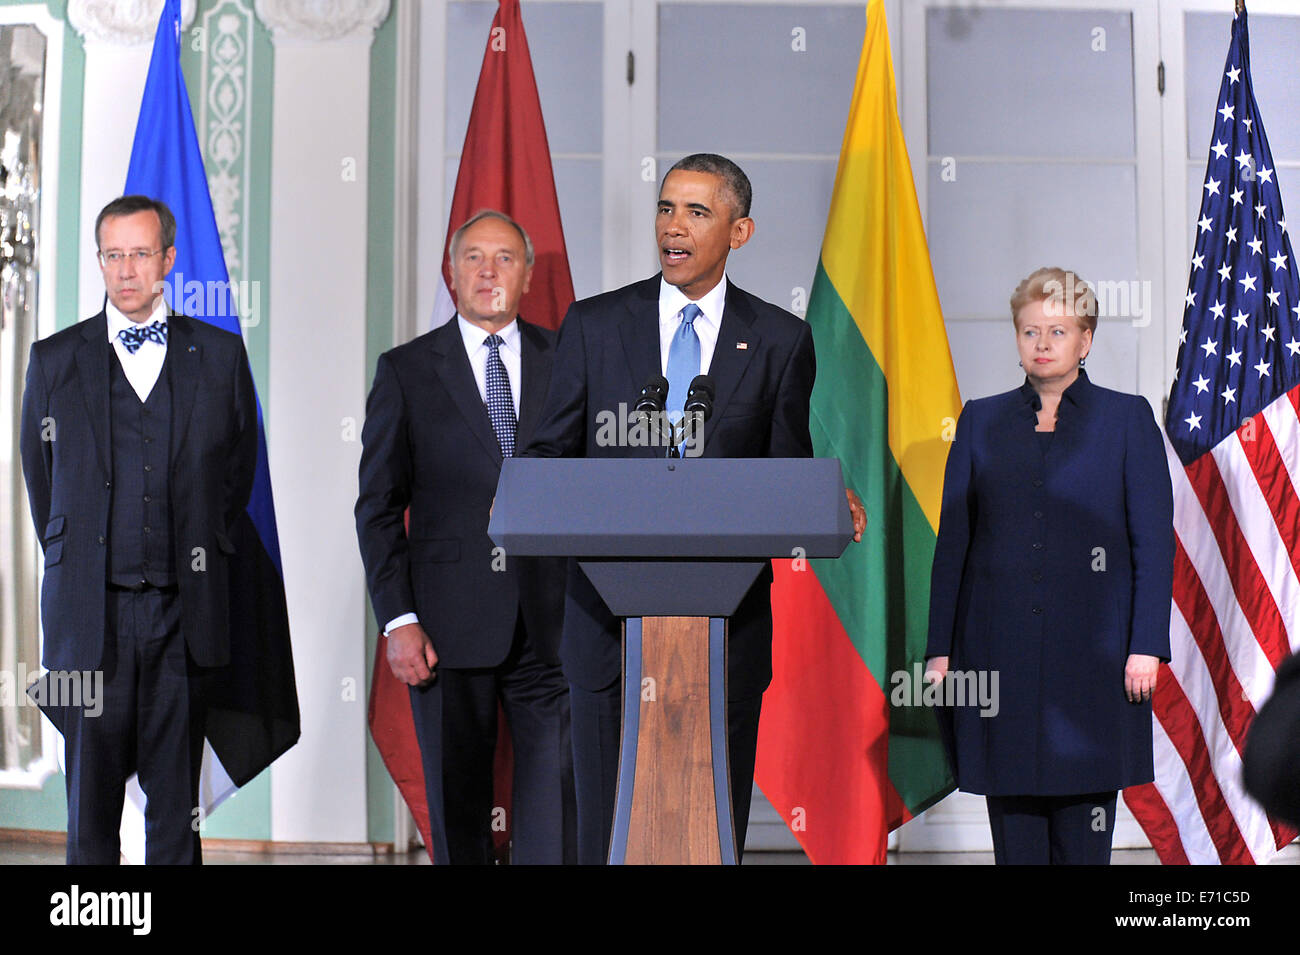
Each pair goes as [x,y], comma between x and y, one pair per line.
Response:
[673,805]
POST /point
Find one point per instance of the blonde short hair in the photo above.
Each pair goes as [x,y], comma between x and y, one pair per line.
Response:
[1064,289]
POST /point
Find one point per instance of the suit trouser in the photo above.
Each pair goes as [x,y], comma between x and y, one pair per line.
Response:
[456,725]
[597,725]
[1052,830]
[150,722]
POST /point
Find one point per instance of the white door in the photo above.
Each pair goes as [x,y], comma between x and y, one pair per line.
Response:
[1034,134]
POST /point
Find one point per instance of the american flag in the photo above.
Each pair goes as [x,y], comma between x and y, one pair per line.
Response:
[1234,456]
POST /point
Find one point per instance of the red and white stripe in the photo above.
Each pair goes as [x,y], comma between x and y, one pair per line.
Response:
[1235,617]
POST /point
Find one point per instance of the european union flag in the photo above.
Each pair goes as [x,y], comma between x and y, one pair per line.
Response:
[251,705]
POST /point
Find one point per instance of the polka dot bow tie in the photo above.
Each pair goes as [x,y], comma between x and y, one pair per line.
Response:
[133,338]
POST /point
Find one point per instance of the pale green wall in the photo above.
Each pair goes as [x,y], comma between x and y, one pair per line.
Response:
[379,334]
[248,814]
[47,808]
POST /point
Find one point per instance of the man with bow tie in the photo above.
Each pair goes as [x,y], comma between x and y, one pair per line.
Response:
[139,444]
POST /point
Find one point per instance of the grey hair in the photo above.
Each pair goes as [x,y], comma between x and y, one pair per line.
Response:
[492,214]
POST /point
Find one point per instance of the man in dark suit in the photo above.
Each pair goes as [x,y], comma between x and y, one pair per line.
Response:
[139,444]
[466,625]
[686,321]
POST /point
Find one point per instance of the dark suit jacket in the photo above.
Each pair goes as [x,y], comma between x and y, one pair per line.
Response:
[1271,764]
[213,459]
[428,445]
[1050,569]
[608,349]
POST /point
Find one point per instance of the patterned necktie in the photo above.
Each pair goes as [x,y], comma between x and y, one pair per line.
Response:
[500,405]
[135,336]
[683,361]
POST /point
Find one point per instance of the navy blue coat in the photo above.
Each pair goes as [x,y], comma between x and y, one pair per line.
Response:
[1050,568]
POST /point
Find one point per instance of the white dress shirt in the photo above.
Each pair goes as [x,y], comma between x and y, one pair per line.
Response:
[142,368]
[671,302]
[476,347]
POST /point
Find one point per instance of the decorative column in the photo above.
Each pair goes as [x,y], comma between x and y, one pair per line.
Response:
[223,114]
[317,319]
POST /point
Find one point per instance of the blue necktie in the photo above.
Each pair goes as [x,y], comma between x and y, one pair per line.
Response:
[135,336]
[500,405]
[683,361]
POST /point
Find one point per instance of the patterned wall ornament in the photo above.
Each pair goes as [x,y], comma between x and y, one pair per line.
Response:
[225,116]
[122,22]
[322,20]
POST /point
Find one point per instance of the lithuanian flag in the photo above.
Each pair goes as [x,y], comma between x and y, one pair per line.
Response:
[840,763]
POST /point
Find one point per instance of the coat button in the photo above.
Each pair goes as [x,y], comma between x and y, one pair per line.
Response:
[1038,610]
[101,539]
[1038,482]
[148,499]
[1036,575]
[1036,513]
[149,467]
[108,484]
[1038,545]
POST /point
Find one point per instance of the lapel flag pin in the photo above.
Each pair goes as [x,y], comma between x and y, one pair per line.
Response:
[741,346]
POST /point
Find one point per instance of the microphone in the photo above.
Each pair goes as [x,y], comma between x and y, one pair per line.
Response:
[649,408]
[699,398]
[696,411]
[653,395]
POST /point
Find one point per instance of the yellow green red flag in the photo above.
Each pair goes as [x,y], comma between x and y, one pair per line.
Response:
[842,764]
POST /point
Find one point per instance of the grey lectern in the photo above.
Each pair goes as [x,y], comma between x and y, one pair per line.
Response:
[672,545]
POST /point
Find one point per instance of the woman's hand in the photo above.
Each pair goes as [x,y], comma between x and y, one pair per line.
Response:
[1140,676]
[936,668]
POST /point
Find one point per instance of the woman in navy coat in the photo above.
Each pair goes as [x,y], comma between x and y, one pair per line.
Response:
[1053,569]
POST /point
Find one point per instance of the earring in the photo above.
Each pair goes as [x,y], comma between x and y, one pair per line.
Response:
[1021,364]
[1081,362]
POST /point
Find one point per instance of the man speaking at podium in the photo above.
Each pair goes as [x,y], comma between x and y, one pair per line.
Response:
[686,321]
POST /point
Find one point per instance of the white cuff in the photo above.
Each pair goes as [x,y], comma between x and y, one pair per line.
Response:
[401,621]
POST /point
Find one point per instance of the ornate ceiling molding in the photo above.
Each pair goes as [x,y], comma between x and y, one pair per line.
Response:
[122,22]
[320,21]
